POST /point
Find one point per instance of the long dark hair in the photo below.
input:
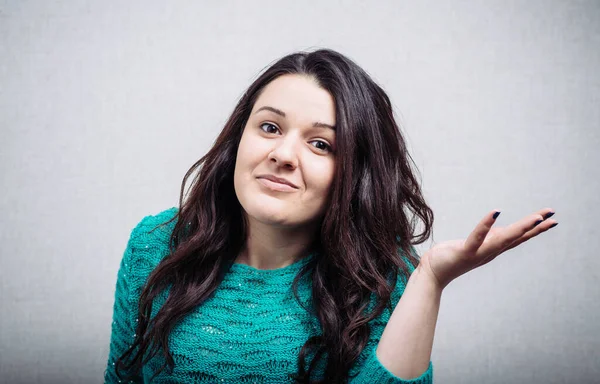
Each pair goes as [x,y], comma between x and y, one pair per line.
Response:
[366,226]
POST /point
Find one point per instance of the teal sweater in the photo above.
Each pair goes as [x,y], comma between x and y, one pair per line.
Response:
[249,331]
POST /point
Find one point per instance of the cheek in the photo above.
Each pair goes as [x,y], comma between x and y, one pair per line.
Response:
[252,150]
[246,155]
[321,179]
[243,158]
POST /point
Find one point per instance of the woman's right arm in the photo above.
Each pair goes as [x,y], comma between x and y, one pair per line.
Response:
[124,317]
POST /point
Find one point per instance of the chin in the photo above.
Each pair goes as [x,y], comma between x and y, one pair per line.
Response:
[273,214]
[272,217]
[271,210]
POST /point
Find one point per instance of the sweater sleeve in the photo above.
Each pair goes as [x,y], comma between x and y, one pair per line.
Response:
[368,368]
[124,315]
[372,371]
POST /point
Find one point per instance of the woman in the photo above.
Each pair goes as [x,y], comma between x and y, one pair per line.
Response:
[291,258]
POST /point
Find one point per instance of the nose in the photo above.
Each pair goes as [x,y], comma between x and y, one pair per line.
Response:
[285,153]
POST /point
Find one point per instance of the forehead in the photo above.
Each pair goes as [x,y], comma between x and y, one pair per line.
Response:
[298,96]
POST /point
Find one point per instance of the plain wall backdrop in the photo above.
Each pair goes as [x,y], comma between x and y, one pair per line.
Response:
[104,105]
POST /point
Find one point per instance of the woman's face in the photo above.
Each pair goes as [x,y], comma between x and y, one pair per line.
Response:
[289,135]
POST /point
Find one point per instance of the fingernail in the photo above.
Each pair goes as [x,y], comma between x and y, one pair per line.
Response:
[549,214]
[553,225]
[537,222]
[496,214]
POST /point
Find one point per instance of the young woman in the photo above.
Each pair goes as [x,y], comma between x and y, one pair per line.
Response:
[291,257]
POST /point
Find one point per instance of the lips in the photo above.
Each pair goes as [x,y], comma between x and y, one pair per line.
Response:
[278,180]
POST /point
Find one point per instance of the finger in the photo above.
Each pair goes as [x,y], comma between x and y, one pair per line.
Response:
[477,236]
[542,227]
[514,232]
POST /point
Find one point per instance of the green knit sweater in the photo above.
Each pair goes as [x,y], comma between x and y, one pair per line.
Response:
[249,331]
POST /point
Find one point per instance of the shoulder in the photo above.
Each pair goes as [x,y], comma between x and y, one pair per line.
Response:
[154,227]
[149,241]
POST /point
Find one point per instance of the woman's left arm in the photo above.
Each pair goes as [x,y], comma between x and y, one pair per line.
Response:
[407,340]
[409,299]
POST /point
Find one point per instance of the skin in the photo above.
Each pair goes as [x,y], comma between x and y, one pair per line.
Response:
[407,340]
[282,225]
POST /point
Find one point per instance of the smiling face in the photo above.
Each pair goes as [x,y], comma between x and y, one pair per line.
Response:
[289,135]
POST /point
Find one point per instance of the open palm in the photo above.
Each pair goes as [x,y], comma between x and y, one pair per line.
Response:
[448,260]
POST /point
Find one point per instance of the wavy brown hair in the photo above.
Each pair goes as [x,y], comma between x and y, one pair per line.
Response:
[375,205]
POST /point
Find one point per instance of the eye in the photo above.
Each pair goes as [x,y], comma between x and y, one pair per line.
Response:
[268,125]
[323,146]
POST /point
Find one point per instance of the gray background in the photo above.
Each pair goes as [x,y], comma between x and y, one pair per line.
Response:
[104,105]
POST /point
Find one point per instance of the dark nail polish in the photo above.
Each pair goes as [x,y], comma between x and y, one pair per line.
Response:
[496,215]
[548,215]
[553,225]
[537,222]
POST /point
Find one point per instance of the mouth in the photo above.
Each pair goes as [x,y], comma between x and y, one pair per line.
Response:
[276,184]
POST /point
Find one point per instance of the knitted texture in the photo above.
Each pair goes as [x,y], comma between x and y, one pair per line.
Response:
[249,331]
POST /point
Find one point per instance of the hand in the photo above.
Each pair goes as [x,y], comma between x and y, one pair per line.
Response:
[447,261]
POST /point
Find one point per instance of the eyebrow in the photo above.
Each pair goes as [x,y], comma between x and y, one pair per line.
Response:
[317,124]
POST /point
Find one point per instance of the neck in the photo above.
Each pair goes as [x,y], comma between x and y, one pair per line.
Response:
[270,247]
